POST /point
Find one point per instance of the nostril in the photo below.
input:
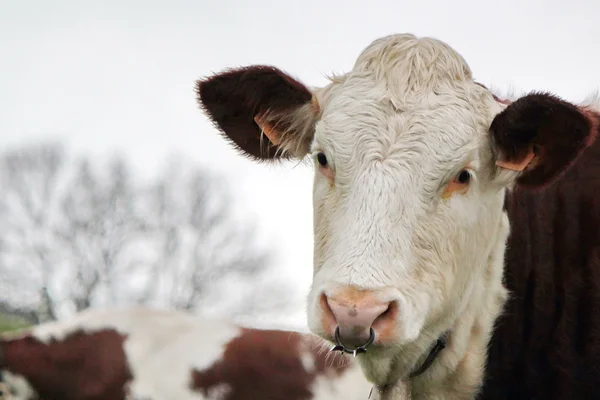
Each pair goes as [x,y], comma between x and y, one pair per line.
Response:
[328,314]
[386,317]
[386,312]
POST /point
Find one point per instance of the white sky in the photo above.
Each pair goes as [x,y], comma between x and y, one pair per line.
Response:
[119,75]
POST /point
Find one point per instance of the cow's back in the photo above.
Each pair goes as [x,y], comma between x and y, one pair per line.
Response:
[547,342]
[146,354]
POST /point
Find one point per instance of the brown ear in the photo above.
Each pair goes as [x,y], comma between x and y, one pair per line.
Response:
[238,100]
[541,136]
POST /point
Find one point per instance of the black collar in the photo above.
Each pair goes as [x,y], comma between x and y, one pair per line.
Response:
[438,346]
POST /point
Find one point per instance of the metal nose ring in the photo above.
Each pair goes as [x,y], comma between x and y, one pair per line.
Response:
[360,349]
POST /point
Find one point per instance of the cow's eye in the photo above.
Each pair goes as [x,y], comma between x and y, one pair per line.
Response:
[463,177]
[325,168]
[459,184]
[322,159]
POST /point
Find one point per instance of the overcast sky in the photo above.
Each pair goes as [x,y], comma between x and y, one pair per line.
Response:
[110,76]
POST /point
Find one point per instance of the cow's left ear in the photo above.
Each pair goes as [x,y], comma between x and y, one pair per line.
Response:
[245,103]
[540,136]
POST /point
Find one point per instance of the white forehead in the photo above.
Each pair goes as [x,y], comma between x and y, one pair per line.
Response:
[407,99]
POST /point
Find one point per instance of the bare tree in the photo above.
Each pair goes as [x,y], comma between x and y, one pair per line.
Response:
[99,224]
[77,237]
[29,181]
[205,248]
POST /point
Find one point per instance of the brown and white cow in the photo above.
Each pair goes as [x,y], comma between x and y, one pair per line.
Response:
[147,354]
[443,216]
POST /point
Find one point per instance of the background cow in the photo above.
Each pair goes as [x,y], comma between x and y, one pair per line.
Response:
[413,160]
[146,354]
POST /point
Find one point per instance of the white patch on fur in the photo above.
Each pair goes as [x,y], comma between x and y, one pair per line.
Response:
[17,387]
[308,361]
[350,385]
[218,392]
[178,344]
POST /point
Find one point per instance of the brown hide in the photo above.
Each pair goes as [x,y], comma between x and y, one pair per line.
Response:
[83,366]
[267,365]
[547,342]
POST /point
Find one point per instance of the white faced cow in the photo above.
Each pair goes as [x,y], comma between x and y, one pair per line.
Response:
[146,354]
[419,173]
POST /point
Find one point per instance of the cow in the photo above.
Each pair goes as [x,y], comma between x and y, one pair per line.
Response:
[456,232]
[141,353]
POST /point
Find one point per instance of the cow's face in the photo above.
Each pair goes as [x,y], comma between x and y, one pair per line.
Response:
[411,159]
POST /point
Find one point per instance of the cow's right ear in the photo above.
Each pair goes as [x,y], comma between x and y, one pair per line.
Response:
[540,136]
[245,103]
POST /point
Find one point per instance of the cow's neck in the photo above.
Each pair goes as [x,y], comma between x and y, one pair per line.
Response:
[457,372]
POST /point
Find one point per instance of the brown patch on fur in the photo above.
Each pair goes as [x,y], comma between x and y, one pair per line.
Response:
[234,98]
[547,342]
[558,132]
[82,366]
[267,364]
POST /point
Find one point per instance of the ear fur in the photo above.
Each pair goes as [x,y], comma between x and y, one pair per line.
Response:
[540,125]
[237,99]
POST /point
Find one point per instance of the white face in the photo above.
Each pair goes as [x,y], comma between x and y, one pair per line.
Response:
[406,195]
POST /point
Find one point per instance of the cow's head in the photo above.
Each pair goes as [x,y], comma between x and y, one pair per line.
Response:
[412,159]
